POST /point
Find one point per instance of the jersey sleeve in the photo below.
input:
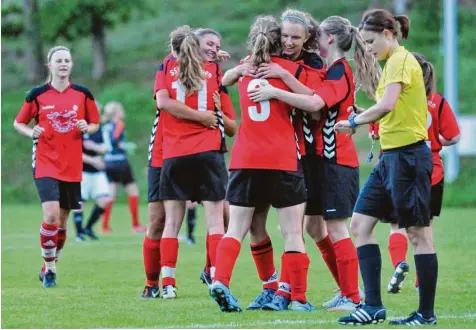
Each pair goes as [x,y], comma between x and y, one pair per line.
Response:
[397,70]
[335,86]
[226,104]
[374,128]
[118,130]
[28,111]
[448,124]
[159,79]
[92,112]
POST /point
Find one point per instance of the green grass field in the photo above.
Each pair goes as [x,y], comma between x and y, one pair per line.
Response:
[99,283]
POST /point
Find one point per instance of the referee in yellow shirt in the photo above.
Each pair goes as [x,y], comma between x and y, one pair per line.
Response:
[400,184]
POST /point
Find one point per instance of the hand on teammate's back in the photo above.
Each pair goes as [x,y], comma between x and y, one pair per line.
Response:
[209,119]
[270,70]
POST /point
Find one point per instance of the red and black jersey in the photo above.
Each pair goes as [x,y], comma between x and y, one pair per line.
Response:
[440,121]
[337,91]
[184,137]
[155,158]
[57,153]
[266,137]
[306,128]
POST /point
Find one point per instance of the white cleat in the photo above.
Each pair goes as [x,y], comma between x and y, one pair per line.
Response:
[169,292]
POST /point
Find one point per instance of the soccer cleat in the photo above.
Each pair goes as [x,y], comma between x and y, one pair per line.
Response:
[333,302]
[266,296]
[206,278]
[365,315]
[344,304]
[297,306]
[80,237]
[415,319]
[222,295]
[151,292]
[170,292]
[190,240]
[139,229]
[42,274]
[278,304]
[396,282]
[49,279]
[89,232]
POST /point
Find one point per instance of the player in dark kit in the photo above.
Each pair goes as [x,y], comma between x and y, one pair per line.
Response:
[62,112]
[118,168]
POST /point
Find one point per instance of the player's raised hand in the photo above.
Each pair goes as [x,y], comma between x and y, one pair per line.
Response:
[37,130]
[217,100]
[270,70]
[247,69]
[82,125]
[223,55]
[264,92]
[209,119]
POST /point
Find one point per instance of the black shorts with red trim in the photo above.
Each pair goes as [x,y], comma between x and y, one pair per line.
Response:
[68,194]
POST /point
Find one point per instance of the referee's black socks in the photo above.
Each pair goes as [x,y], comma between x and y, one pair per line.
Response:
[370,263]
[94,216]
[78,220]
[427,273]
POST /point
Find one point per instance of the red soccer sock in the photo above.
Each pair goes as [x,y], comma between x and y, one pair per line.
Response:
[49,243]
[106,217]
[264,261]
[213,242]
[207,262]
[397,247]
[134,210]
[298,266]
[151,254]
[284,283]
[328,254]
[226,254]
[61,242]
[348,269]
[168,258]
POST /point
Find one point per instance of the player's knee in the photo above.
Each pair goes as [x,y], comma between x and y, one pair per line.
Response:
[155,230]
[103,201]
[358,227]
[51,214]
[337,229]
[419,237]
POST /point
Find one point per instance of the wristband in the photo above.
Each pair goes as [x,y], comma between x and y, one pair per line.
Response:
[352,122]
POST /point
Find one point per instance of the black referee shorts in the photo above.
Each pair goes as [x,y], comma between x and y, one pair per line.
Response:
[400,187]
[120,172]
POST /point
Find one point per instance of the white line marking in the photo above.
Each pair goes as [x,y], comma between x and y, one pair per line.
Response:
[289,322]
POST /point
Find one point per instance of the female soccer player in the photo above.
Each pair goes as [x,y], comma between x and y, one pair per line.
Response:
[400,184]
[264,170]
[443,130]
[194,166]
[339,174]
[63,112]
[118,168]
[299,34]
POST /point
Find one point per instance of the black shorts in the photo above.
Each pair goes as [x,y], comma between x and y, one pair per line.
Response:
[68,194]
[435,203]
[259,188]
[197,177]
[399,187]
[339,189]
[153,184]
[311,167]
[120,172]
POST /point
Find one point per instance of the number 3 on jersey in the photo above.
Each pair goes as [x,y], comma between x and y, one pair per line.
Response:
[202,94]
[264,105]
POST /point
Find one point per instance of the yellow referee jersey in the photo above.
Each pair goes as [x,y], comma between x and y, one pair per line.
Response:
[406,123]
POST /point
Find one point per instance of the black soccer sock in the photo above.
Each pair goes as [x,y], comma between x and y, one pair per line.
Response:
[191,220]
[78,220]
[427,272]
[370,263]
[94,216]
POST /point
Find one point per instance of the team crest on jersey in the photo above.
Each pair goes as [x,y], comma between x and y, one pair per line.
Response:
[175,71]
[63,122]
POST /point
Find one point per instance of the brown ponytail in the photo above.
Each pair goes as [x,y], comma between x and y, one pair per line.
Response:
[264,39]
[377,20]
[404,25]
[186,48]
[429,74]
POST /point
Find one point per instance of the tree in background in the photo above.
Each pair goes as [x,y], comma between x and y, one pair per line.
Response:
[73,19]
[35,56]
